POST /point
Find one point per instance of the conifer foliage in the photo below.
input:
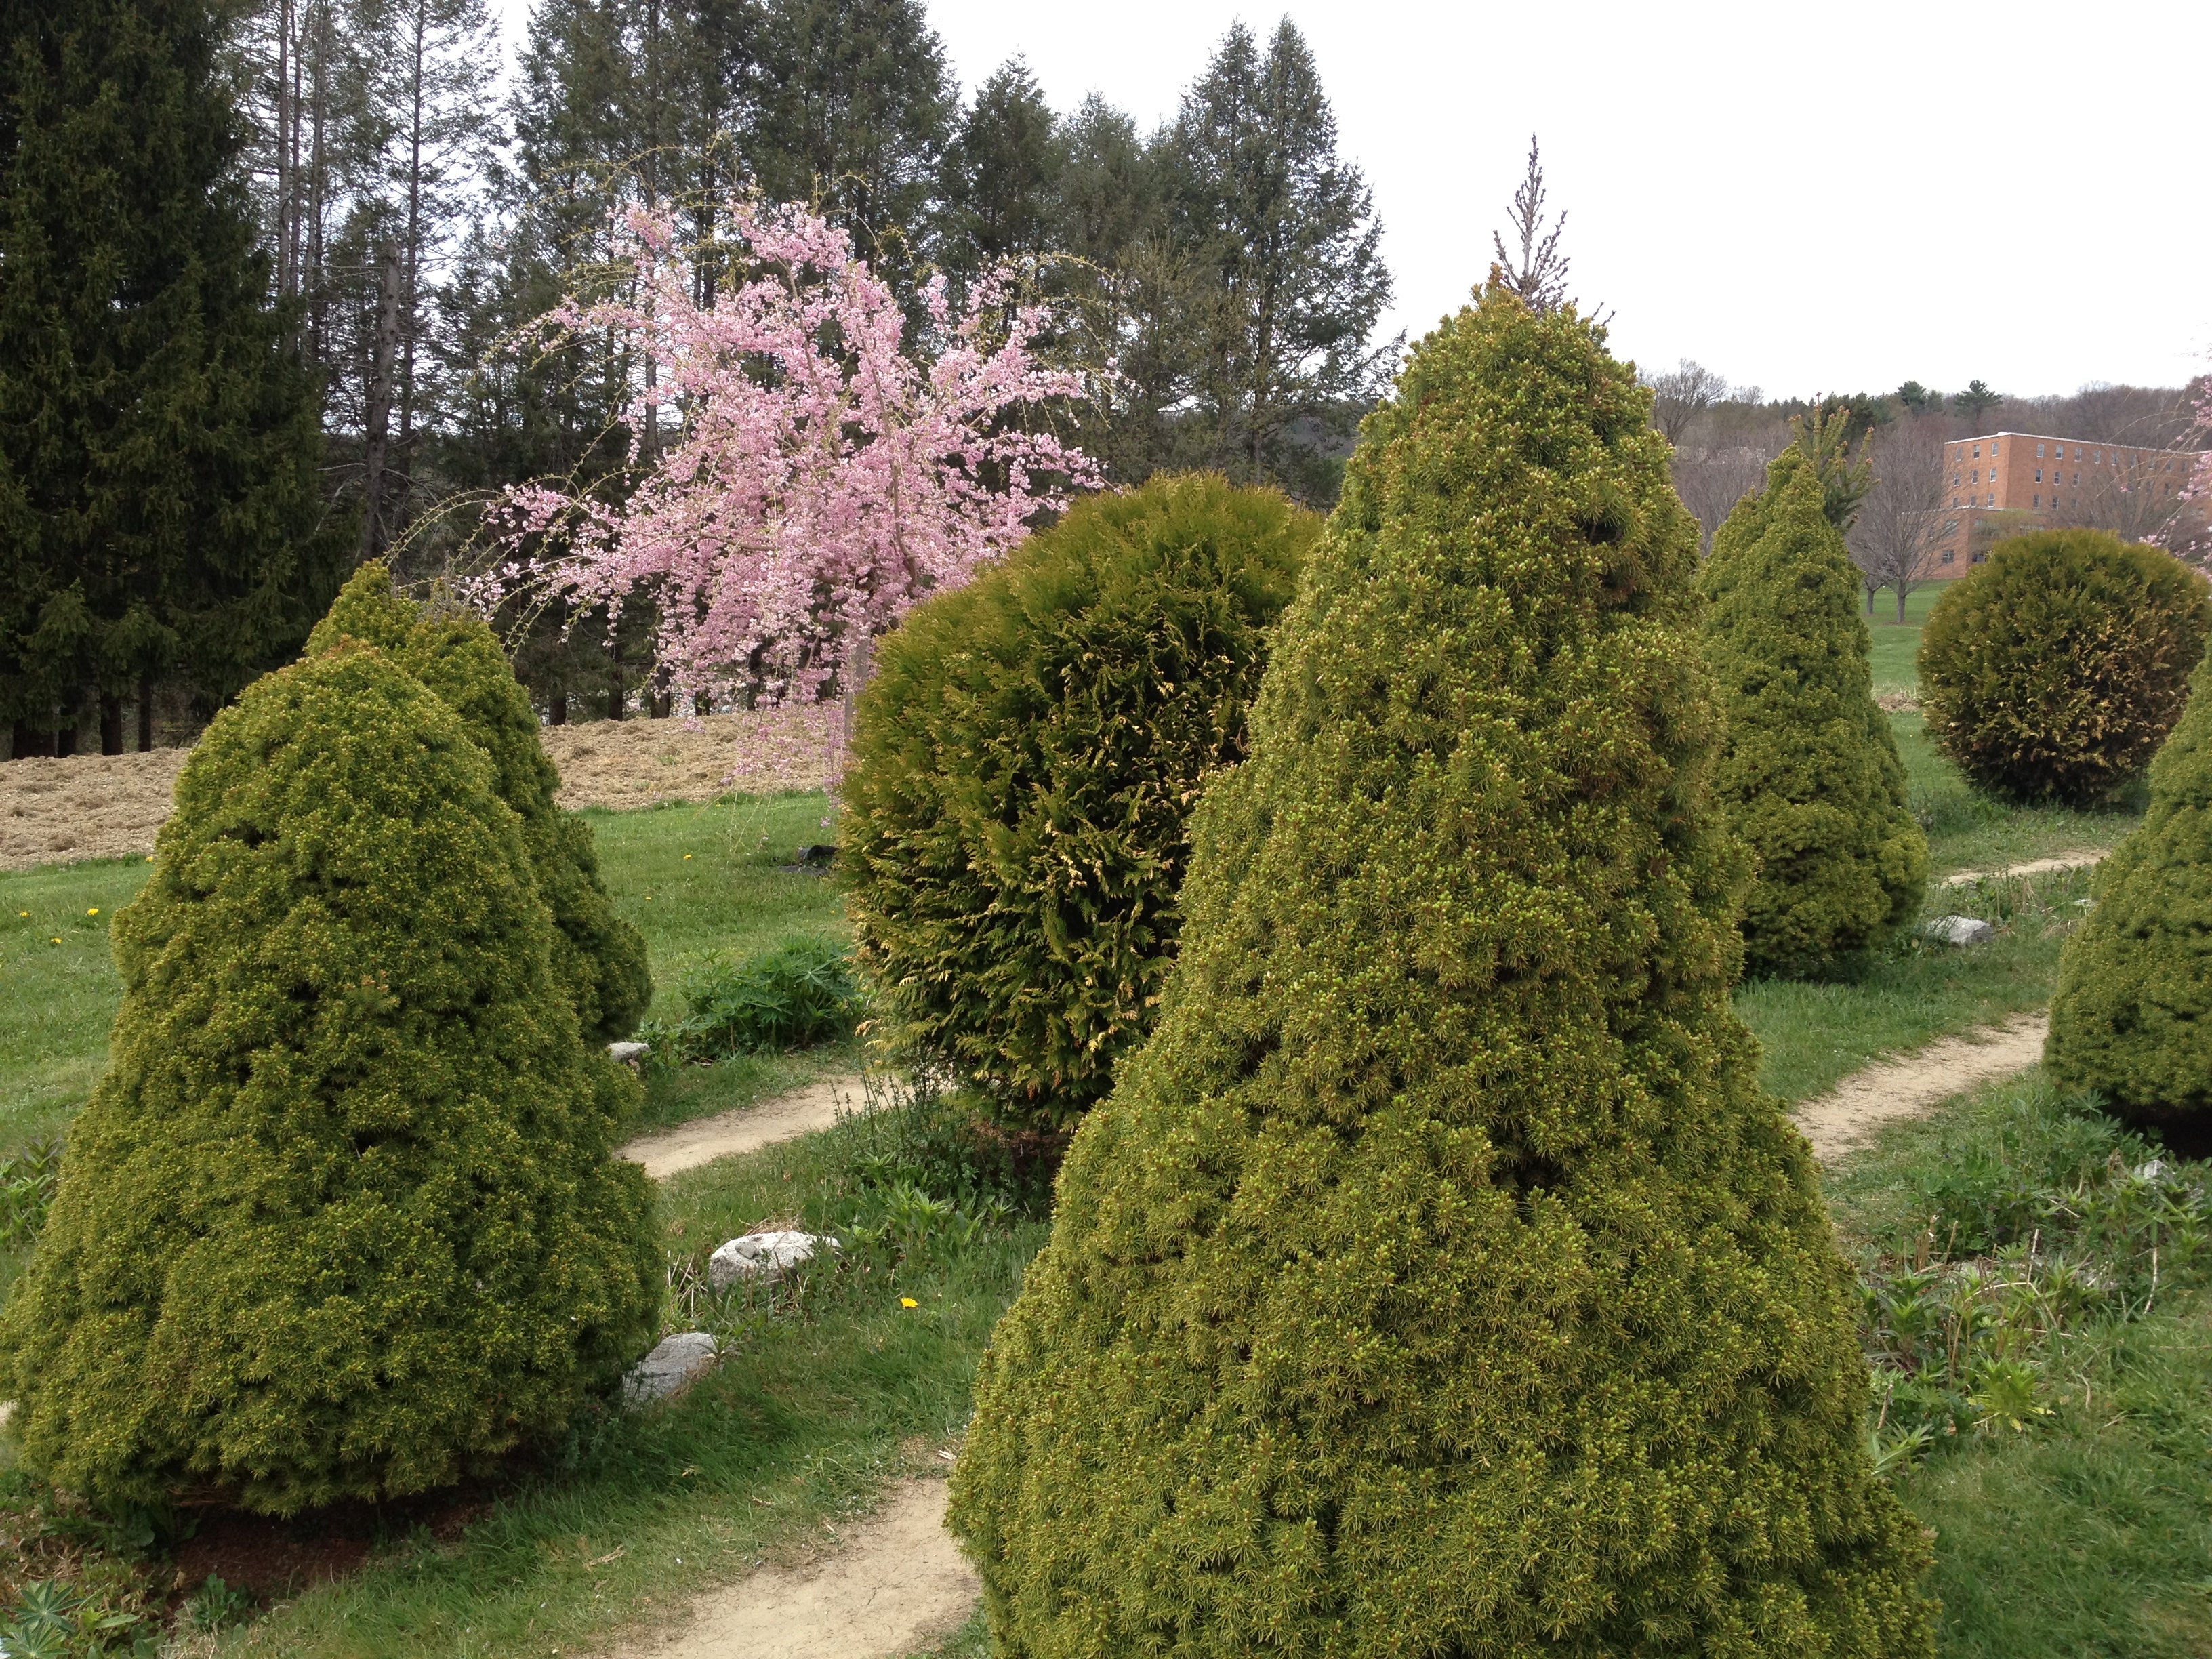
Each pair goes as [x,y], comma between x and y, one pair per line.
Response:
[342,1218]
[2132,1018]
[1810,777]
[1028,751]
[159,511]
[2055,670]
[599,959]
[1437,1280]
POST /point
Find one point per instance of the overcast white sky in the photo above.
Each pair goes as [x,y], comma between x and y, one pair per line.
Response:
[1807,198]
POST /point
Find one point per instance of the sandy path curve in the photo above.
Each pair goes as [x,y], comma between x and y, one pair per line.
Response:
[896,1582]
[1845,1118]
[745,1130]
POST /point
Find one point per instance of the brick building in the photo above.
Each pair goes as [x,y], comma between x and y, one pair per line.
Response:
[2009,482]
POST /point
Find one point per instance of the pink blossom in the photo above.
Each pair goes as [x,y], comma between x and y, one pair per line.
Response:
[825,472]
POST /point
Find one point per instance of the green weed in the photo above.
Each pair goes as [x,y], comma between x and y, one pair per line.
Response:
[793,996]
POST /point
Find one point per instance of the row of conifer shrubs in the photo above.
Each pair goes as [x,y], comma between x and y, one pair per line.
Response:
[341,1219]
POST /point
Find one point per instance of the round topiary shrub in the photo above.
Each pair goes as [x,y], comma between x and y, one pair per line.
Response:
[1810,777]
[1027,751]
[600,958]
[2132,1018]
[341,1219]
[2054,672]
[1437,1280]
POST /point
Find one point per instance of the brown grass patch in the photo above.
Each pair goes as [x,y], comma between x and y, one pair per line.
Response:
[109,806]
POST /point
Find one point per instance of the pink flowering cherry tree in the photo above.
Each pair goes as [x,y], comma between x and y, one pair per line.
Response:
[825,473]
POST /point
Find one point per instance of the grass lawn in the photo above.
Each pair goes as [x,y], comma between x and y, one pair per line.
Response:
[1897,646]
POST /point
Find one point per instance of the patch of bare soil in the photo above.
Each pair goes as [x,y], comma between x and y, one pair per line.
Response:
[106,806]
[747,1129]
[1897,702]
[88,806]
[895,1581]
[1845,1118]
[271,1559]
[2081,858]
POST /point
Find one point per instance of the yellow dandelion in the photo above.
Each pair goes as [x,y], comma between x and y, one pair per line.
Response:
[94,911]
[687,857]
[150,858]
[904,1301]
[58,938]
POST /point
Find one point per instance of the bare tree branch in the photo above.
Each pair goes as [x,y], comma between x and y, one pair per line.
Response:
[1540,275]
[1901,519]
[1682,394]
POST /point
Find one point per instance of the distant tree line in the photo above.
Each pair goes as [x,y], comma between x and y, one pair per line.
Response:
[259,313]
[1724,435]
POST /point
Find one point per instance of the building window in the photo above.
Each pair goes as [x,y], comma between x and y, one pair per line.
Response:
[2038,452]
[2038,475]
[1993,498]
[1950,527]
[2039,503]
[1977,452]
[1949,556]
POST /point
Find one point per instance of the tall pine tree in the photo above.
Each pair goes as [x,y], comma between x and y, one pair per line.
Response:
[159,506]
[1002,176]
[1289,232]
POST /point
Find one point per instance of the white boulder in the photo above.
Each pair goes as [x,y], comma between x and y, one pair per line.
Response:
[673,1365]
[763,1253]
[1960,930]
[627,1050]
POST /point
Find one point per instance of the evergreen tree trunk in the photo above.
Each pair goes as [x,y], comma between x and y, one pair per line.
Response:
[111,723]
[146,714]
[380,407]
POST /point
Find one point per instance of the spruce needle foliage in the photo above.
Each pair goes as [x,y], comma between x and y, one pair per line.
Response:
[599,958]
[1437,1280]
[341,1219]
[1028,751]
[1810,778]
[2054,670]
[2132,1018]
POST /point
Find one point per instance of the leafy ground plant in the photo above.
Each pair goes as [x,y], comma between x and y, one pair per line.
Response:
[2034,1280]
[793,996]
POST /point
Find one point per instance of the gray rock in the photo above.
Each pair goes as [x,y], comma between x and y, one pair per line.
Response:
[1960,930]
[763,1253]
[673,1365]
[628,1050]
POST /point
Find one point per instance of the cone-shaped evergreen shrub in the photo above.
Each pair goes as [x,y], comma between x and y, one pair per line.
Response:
[600,956]
[1028,751]
[2054,670]
[2132,1018]
[1436,1280]
[1810,777]
[341,1219]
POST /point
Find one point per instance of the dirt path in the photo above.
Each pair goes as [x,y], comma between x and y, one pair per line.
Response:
[1845,1118]
[748,1130]
[2081,859]
[896,1581]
